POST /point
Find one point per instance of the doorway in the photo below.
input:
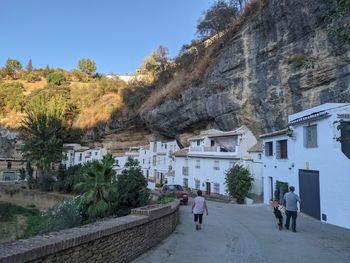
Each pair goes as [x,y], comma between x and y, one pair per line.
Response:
[270,191]
[208,188]
[309,188]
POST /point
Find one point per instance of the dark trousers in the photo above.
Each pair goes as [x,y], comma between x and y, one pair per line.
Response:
[293,215]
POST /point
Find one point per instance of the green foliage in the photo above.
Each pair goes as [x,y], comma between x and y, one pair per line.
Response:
[44,129]
[12,68]
[344,126]
[99,189]
[87,66]
[56,78]
[11,96]
[132,187]
[337,21]
[280,189]
[31,76]
[62,216]
[29,65]
[219,16]
[8,211]
[67,179]
[238,182]
[77,75]
[166,198]
[46,181]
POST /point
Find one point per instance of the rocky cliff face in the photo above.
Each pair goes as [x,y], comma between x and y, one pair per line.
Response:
[281,62]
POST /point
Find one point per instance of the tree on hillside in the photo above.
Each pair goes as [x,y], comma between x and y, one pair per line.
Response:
[87,66]
[157,66]
[12,68]
[43,127]
[56,78]
[99,189]
[132,187]
[217,18]
[29,65]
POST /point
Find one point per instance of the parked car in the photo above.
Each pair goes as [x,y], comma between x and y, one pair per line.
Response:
[178,190]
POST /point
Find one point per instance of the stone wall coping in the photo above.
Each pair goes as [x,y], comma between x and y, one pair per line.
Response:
[40,246]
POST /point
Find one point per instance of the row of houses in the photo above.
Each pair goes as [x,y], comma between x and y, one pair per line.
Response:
[307,155]
[203,164]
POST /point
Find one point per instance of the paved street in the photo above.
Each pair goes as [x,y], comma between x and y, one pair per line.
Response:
[234,233]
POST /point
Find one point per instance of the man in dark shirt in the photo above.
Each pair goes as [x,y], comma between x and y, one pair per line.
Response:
[291,202]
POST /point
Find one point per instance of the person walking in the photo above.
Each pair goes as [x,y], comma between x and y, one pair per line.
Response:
[198,207]
[291,203]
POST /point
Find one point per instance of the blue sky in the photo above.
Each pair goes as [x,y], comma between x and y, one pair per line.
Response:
[116,34]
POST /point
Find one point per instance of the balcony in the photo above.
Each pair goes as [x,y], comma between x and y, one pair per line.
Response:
[185,170]
[216,151]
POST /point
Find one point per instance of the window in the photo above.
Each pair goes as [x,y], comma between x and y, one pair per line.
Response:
[117,162]
[9,165]
[143,161]
[164,160]
[198,164]
[310,136]
[212,143]
[259,156]
[95,153]
[197,184]
[80,157]
[154,160]
[216,188]
[184,170]
[281,149]
[216,165]
[198,142]
[165,146]
[268,148]
[185,182]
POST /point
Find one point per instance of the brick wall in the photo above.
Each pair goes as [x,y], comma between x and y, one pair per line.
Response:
[113,240]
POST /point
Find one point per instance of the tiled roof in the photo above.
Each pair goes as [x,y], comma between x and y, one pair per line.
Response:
[181,153]
[256,148]
[275,133]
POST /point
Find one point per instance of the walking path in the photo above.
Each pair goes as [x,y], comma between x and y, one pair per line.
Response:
[236,233]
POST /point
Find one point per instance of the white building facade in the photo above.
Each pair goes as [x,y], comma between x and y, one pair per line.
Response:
[76,154]
[309,157]
[204,164]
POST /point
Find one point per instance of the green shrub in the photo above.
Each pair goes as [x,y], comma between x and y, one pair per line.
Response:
[158,185]
[166,198]
[31,77]
[56,78]
[11,96]
[62,216]
[46,182]
[238,182]
[132,188]
[6,212]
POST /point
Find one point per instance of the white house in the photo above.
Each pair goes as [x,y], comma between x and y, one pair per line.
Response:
[161,162]
[140,154]
[203,165]
[76,154]
[308,156]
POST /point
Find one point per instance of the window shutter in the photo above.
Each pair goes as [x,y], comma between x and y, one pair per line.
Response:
[278,150]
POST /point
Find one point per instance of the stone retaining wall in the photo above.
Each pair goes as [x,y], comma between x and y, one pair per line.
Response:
[113,240]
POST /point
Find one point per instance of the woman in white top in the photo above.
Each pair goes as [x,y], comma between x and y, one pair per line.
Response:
[198,207]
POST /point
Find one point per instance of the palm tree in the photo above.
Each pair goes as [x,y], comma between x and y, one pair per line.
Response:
[99,189]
